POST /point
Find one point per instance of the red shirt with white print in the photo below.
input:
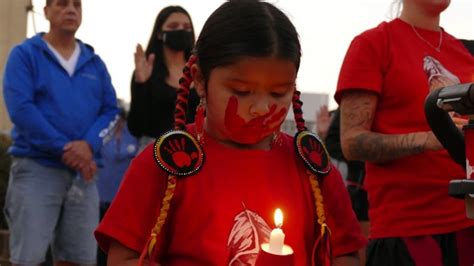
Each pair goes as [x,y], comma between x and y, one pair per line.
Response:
[408,196]
[222,214]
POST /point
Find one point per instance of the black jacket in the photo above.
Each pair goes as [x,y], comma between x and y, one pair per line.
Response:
[152,107]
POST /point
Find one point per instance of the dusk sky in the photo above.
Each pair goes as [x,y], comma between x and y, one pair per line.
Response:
[114,27]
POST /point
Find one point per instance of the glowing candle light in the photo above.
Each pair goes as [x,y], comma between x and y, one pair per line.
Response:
[277,237]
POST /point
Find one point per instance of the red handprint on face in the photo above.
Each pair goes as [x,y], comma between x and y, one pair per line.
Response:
[255,129]
[313,151]
[177,150]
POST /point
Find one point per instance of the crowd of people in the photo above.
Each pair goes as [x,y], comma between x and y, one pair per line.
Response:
[192,173]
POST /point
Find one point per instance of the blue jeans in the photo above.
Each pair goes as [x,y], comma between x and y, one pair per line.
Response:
[48,206]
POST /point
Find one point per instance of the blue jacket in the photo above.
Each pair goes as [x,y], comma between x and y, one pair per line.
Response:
[49,108]
[115,159]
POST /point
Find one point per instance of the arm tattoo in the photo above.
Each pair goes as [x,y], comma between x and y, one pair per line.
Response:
[376,147]
[357,114]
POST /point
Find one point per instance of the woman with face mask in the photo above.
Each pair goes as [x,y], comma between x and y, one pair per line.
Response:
[156,75]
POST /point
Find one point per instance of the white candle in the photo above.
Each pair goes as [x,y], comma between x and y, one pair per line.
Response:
[277,237]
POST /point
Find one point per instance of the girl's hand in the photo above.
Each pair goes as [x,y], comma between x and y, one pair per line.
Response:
[143,65]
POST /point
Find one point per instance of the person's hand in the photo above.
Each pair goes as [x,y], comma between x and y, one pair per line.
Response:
[323,120]
[458,120]
[79,149]
[88,170]
[78,156]
[441,81]
[143,65]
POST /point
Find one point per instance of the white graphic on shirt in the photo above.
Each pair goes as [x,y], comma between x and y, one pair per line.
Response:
[106,133]
[438,75]
[248,232]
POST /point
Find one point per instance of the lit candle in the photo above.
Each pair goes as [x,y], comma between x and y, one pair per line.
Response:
[277,237]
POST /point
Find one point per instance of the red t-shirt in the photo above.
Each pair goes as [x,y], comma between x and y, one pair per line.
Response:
[222,213]
[408,196]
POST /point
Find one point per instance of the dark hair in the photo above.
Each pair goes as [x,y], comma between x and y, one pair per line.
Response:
[156,46]
[48,2]
[240,28]
[237,29]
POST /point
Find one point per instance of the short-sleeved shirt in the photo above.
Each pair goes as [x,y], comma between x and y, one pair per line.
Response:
[408,196]
[222,214]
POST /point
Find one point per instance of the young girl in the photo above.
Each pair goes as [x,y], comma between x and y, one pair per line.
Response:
[206,194]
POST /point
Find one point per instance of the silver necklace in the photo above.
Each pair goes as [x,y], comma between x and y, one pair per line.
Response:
[438,48]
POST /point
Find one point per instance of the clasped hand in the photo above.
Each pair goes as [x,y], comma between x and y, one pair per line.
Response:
[78,156]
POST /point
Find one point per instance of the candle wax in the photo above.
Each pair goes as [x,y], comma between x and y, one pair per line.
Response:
[277,240]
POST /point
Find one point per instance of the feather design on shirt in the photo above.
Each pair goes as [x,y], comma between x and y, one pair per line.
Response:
[438,75]
[248,232]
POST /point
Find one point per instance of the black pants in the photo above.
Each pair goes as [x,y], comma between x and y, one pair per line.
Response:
[394,251]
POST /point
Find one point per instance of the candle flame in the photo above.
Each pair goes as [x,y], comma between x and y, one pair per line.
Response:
[278,217]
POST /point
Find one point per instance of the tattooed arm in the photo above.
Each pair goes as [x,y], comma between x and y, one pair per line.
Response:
[360,143]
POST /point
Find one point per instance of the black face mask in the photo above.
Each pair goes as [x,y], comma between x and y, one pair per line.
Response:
[179,40]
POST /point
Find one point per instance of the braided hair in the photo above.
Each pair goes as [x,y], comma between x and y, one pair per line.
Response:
[183,95]
[237,29]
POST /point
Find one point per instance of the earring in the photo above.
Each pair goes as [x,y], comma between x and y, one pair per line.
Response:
[199,120]
[276,139]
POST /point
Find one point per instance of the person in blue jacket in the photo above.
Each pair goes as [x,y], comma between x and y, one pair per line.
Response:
[61,101]
[119,148]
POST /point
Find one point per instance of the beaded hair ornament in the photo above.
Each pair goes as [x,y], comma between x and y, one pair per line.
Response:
[180,154]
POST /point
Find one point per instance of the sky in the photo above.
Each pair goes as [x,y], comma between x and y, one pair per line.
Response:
[326,28]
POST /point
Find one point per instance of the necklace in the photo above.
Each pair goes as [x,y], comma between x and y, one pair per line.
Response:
[438,48]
